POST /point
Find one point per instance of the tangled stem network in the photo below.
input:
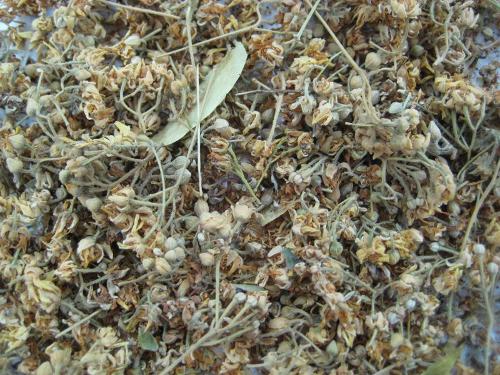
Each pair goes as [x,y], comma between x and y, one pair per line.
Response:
[249,187]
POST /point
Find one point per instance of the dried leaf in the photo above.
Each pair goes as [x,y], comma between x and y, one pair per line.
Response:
[270,214]
[213,91]
[290,258]
[147,341]
[446,363]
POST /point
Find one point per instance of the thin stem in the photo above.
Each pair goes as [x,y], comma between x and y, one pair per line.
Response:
[230,337]
[368,94]
[189,14]
[163,195]
[239,172]
[80,322]
[210,335]
[141,10]
[478,206]
[490,317]
[137,279]
[198,132]
[306,21]
[232,33]
[217,291]
[440,58]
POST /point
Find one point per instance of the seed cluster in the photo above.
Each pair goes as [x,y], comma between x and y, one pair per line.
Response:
[249,187]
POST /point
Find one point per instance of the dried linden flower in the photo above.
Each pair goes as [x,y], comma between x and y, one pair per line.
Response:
[18,141]
[242,212]
[207,259]
[14,165]
[372,61]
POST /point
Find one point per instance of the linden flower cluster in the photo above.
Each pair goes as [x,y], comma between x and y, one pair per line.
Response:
[391,249]
[460,95]
[241,187]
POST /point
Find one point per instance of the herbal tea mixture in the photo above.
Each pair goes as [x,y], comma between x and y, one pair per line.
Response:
[249,187]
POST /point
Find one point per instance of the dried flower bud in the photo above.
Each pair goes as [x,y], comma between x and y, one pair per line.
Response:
[207,259]
[252,301]
[170,243]
[191,221]
[242,212]
[133,40]
[14,165]
[180,253]
[324,114]
[417,50]
[171,256]
[32,70]
[267,116]
[220,124]
[296,178]
[355,82]
[93,204]
[201,207]
[240,297]
[395,107]
[479,249]
[18,141]
[148,263]
[435,246]
[158,252]
[82,74]
[372,61]
[492,268]
[162,266]
[411,304]
[122,197]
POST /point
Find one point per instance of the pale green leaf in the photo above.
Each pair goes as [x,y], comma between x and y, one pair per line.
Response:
[270,214]
[290,258]
[147,341]
[446,363]
[213,91]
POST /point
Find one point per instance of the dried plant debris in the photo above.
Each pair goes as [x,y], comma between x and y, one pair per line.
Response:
[249,187]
